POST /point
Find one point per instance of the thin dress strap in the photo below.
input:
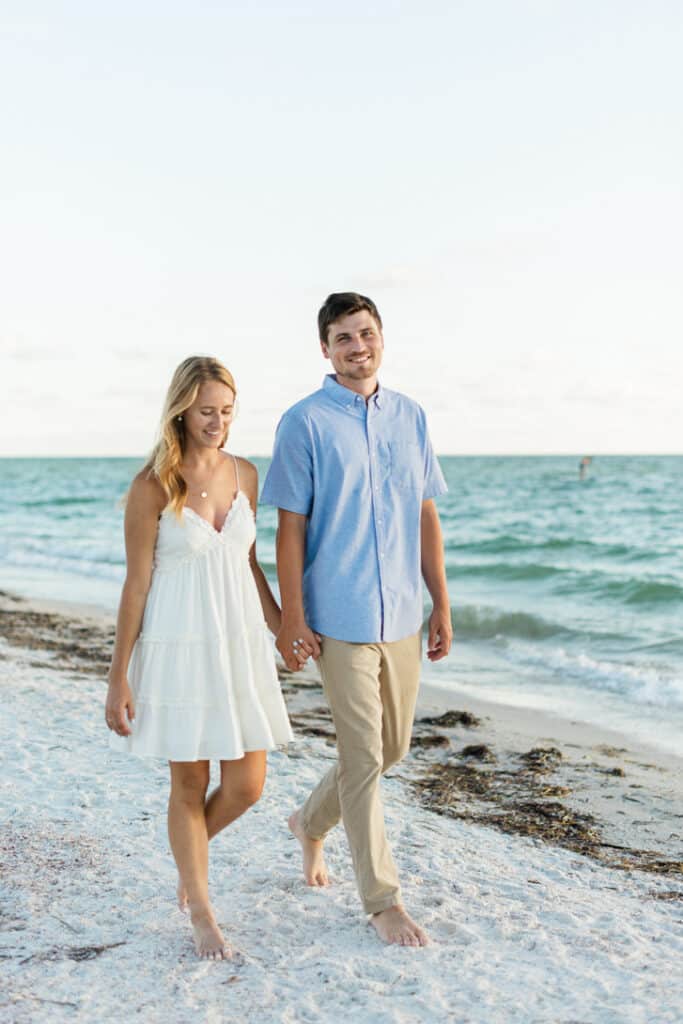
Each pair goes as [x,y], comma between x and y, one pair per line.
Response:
[237,473]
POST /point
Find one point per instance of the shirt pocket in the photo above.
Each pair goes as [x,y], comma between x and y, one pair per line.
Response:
[406,465]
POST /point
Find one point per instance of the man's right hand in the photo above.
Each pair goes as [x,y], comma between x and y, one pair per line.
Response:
[297,643]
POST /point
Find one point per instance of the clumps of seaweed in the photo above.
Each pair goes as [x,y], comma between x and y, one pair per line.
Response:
[648,860]
[430,741]
[667,895]
[517,797]
[426,738]
[450,719]
[295,681]
[552,822]
[85,647]
[314,722]
[77,953]
[478,752]
[541,759]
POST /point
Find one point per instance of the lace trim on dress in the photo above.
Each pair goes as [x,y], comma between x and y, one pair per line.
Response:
[221,535]
[228,515]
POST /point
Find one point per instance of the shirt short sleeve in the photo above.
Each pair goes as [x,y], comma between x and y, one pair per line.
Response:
[434,481]
[289,480]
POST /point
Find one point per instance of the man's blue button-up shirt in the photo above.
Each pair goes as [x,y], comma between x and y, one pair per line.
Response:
[359,471]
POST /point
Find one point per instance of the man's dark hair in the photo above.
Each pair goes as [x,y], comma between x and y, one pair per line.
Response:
[340,304]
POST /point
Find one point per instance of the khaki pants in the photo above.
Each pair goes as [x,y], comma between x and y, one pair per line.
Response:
[371,689]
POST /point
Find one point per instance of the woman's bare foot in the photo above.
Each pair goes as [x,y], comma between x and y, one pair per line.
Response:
[183,902]
[397,929]
[315,869]
[208,938]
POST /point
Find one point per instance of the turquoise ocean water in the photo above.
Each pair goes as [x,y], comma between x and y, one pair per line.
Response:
[566,594]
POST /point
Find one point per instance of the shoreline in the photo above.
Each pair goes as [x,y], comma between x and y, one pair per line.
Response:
[476,671]
[526,771]
[520,720]
[533,724]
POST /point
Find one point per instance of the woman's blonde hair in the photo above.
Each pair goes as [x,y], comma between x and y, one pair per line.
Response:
[167,454]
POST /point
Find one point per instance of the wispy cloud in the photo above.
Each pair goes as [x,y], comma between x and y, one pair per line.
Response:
[26,351]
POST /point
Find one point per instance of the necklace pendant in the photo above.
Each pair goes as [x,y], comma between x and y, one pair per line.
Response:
[204,494]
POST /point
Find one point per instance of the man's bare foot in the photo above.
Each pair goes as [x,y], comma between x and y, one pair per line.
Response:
[315,869]
[397,929]
[183,902]
[208,938]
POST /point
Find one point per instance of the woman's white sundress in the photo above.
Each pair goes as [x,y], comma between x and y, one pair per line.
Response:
[202,670]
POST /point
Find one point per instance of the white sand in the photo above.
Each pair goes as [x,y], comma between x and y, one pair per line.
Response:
[522,932]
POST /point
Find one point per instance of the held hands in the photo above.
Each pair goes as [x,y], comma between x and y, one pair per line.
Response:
[440,634]
[119,710]
[297,643]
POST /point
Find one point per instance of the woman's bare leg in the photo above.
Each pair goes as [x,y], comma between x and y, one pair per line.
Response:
[240,787]
[190,845]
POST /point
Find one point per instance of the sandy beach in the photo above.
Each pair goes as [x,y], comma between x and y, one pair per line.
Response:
[544,856]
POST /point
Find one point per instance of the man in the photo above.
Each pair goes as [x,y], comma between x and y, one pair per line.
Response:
[354,477]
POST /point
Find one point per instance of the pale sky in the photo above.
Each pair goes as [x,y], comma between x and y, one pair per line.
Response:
[502,178]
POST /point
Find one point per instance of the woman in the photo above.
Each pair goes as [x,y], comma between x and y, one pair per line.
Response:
[193,674]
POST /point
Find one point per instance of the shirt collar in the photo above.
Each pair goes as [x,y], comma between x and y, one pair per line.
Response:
[343,396]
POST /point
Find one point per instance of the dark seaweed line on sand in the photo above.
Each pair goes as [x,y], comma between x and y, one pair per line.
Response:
[520,800]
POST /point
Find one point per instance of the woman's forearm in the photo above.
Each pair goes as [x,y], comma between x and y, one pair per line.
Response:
[128,624]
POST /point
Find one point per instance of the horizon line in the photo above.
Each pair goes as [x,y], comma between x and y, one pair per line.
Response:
[593,453]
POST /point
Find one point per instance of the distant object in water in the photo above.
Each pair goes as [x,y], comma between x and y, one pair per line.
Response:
[583,466]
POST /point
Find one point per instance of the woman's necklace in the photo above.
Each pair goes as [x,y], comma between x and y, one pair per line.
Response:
[204,493]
